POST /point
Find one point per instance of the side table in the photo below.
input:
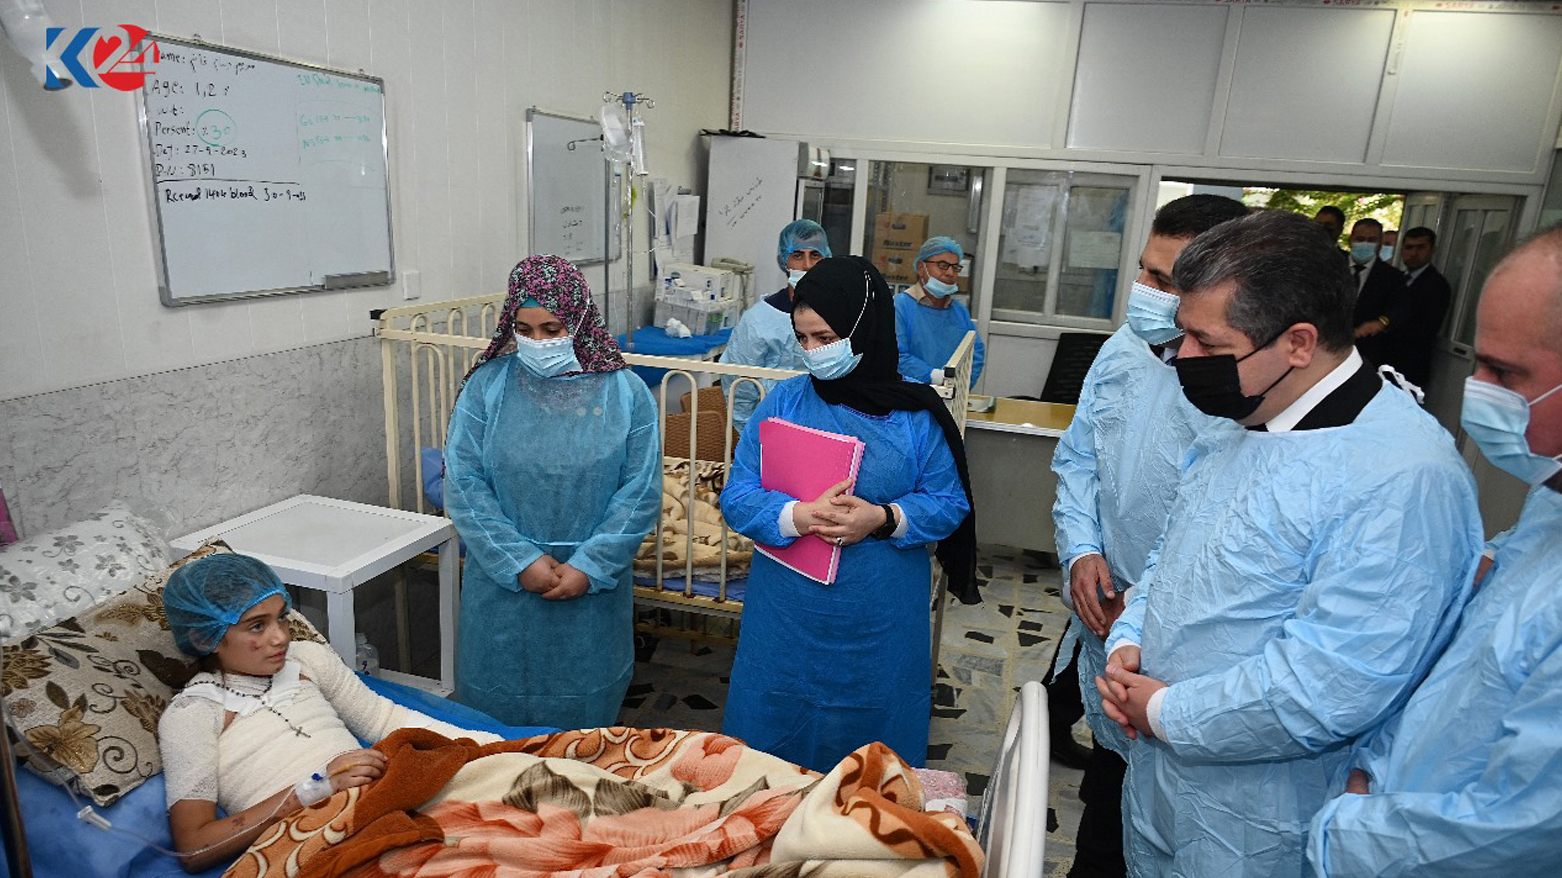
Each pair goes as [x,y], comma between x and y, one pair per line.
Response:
[333,546]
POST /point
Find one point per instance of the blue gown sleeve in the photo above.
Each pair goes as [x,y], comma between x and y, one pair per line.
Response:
[911,366]
[748,508]
[1384,596]
[632,512]
[1511,814]
[490,538]
[1076,512]
[1129,627]
[978,350]
[937,504]
[978,357]
[744,348]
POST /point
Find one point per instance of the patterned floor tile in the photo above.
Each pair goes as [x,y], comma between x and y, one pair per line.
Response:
[987,652]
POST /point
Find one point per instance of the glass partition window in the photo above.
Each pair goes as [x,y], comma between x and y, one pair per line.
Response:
[1060,246]
[909,202]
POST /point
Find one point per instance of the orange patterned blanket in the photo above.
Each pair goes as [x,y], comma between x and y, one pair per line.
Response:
[617,802]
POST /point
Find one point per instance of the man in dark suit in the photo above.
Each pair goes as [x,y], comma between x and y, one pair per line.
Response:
[1332,219]
[1413,326]
[1379,290]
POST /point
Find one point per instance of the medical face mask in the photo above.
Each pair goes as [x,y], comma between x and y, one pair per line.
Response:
[547,358]
[1386,253]
[1497,418]
[939,288]
[793,275]
[1214,384]
[1363,251]
[832,361]
[1152,314]
[836,360]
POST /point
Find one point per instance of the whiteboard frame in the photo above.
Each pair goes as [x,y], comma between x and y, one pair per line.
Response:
[369,279]
[610,184]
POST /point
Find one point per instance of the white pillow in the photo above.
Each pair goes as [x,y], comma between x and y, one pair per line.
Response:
[58,574]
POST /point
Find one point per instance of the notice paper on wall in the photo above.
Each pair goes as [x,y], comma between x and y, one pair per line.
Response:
[1027,223]
[1094,249]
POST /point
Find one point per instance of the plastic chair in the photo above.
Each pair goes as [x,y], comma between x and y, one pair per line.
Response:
[1076,351]
[1013,825]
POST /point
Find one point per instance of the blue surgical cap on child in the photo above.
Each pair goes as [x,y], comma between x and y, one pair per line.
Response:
[941,244]
[801,235]
[208,595]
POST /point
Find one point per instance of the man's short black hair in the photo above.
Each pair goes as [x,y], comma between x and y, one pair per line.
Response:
[1331,210]
[1367,221]
[1193,215]
[1420,232]
[1284,273]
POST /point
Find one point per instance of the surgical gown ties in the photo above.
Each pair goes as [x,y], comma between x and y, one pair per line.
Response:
[1117,467]
[1468,779]
[763,337]
[1304,587]
[824,669]
[570,467]
[927,337]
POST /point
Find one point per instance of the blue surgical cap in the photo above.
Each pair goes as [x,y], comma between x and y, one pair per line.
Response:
[941,244]
[208,595]
[801,235]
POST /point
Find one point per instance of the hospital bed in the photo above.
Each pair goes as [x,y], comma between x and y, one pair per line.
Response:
[692,562]
[44,830]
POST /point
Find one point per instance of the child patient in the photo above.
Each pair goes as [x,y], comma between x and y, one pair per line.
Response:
[269,726]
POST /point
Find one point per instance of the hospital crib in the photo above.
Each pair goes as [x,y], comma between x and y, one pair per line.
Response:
[425,350]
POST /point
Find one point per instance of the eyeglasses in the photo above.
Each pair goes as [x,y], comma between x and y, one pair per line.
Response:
[941,265]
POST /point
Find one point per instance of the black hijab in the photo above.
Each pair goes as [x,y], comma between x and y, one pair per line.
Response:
[852,297]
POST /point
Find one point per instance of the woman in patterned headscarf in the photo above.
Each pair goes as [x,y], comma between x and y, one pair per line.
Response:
[553,479]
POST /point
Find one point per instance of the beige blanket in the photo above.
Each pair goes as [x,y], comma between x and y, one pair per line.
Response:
[617,802]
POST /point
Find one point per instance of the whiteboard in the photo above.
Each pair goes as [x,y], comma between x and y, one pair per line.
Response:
[565,179]
[753,195]
[268,175]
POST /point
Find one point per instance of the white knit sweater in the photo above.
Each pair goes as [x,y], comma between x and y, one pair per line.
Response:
[261,751]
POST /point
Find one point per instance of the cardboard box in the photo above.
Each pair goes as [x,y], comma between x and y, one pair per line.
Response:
[897,264]
[892,230]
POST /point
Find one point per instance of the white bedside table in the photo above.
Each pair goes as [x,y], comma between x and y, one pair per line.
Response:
[334,546]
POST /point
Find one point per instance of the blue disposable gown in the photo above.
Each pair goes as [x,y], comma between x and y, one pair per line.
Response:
[569,467]
[1117,467]
[1468,780]
[824,669]
[1304,586]
[763,337]
[927,336]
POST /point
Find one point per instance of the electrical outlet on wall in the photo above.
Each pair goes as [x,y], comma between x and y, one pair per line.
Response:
[411,285]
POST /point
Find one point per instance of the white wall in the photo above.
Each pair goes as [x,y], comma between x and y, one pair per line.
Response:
[1399,89]
[78,294]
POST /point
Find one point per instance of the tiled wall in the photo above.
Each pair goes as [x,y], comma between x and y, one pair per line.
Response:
[200,445]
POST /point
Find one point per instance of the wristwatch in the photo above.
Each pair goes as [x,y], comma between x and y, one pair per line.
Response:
[887,529]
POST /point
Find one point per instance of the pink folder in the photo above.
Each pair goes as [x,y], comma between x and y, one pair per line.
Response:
[803,462]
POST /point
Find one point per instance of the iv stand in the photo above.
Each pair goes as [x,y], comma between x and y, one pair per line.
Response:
[623,217]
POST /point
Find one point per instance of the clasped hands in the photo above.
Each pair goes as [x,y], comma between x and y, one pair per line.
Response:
[837,516]
[1125,693]
[553,581]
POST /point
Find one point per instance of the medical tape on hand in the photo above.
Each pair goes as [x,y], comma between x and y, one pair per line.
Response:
[314,788]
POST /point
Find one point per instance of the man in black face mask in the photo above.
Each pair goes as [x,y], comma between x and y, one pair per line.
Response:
[1313,566]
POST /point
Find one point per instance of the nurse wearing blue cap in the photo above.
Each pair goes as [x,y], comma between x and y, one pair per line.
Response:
[929,323]
[763,336]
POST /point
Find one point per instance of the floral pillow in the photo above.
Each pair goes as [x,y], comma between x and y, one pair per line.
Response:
[83,697]
[56,575]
